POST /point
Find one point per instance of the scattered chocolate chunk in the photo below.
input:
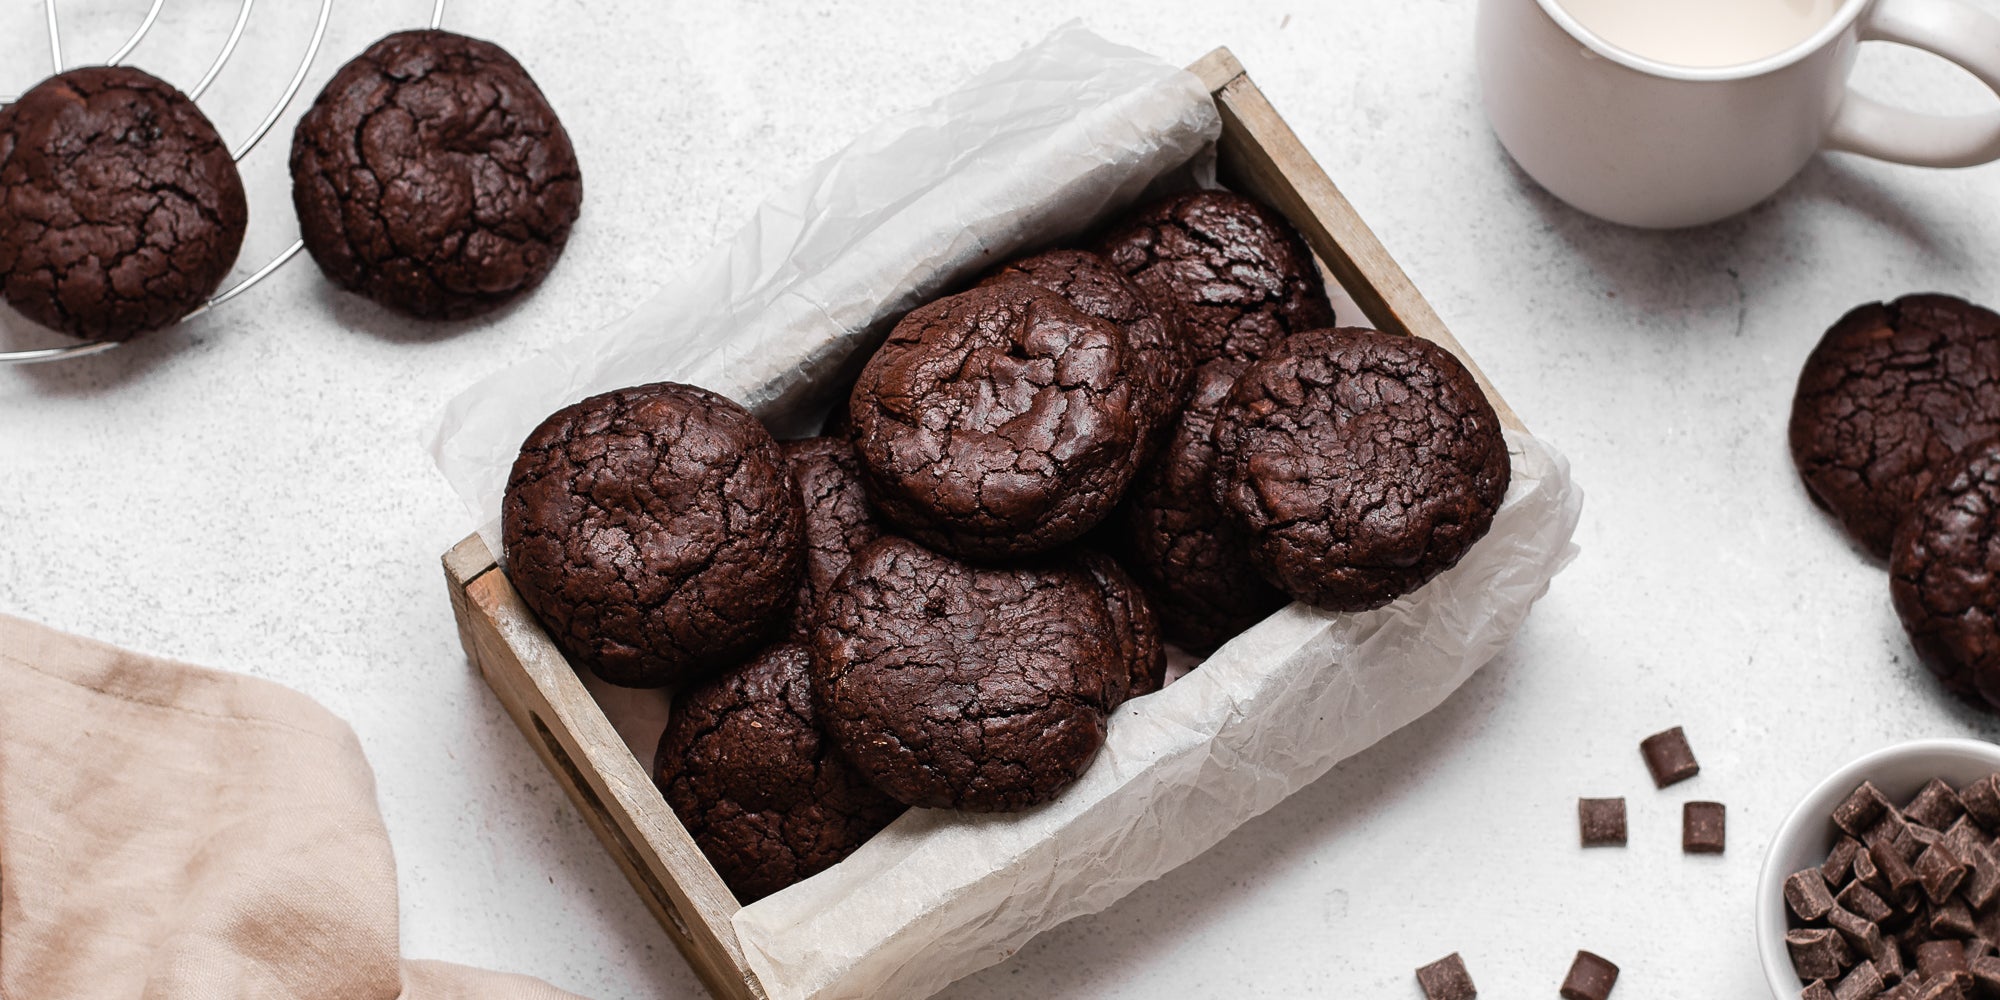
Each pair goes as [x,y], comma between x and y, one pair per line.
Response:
[1840,861]
[1861,901]
[1935,806]
[1940,958]
[1702,828]
[1590,978]
[1668,757]
[1861,983]
[1807,896]
[1939,872]
[1446,979]
[1982,801]
[1603,823]
[1818,953]
[1859,811]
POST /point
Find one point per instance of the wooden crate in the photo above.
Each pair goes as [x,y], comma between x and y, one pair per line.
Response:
[1260,157]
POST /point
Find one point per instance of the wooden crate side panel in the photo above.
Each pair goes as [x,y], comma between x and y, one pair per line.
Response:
[609,787]
[1262,157]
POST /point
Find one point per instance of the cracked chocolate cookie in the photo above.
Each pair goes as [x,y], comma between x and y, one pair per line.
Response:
[432,176]
[838,519]
[1242,277]
[1133,625]
[1194,559]
[1363,464]
[765,796]
[1891,393]
[998,422]
[1152,327]
[1945,575]
[656,532]
[956,686]
[120,207]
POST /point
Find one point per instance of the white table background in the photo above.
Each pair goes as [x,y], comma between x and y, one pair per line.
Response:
[249,492]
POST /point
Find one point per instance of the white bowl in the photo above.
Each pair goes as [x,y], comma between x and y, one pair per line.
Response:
[1808,833]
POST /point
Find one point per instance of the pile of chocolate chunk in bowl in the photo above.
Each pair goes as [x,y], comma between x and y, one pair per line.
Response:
[1156,435]
[1907,903]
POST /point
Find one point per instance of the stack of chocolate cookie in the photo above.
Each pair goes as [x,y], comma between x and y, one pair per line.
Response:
[1896,431]
[929,605]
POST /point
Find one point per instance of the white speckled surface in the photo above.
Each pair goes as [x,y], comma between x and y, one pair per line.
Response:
[248,492]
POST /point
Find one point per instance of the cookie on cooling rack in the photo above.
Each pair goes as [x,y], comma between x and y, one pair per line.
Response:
[432,176]
[120,207]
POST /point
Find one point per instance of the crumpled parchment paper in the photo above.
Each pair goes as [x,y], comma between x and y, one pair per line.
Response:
[1034,149]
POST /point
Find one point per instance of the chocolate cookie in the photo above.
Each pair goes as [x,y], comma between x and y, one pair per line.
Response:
[1193,559]
[1362,463]
[120,207]
[1945,575]
[998,422]
[764,795]
[1133,625]
[1152,327]
[954,686]
[1891,393]
[432,176]
[655,530]
[838,519]
[1242,277]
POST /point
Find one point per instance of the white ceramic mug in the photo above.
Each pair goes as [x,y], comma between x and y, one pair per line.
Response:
[1645,143]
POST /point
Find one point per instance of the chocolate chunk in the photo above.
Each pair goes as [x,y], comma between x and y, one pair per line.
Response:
[1951,987]
[1603,823]
[1862,983]
[1894,830]
[1896,871]
[1861,901]
[1986,975]
[1890,963]
[1912,841]
[1905,990]
[1941,958]
[1818,953]
[1982,801]
[1984,883]
[1859,811]
[1807,896]
[1865,872]
[1702,827]
[1446,979]
[1962,836]
[1939,872]
[1669,759]
[1862,935]
[1952,920]
[1590,978]
[1935,805]
[1840,862]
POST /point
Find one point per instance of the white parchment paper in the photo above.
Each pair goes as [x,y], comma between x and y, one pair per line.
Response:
[1036,148]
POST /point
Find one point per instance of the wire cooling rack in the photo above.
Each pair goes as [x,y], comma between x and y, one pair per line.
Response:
[238,151]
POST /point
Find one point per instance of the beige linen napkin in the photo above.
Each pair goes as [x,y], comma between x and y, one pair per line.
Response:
[170,833]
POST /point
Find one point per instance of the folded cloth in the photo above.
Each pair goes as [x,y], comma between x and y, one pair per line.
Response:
[171,832]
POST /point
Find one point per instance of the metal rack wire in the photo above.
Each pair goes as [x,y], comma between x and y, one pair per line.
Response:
[238,151]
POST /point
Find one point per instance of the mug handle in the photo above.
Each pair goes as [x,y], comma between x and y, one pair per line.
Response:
[1968,37]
